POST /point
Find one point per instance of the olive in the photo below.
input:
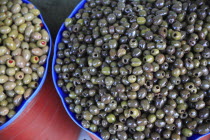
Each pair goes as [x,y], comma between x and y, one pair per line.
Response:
[141,20]
[4,111]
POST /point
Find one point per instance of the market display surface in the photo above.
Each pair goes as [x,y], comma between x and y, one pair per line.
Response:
[136,70]
[25,44]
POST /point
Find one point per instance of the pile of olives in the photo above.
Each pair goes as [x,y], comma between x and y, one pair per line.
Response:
[138,70]
[23,52]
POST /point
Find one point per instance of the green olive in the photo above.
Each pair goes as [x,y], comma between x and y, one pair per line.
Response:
[68,22]
[41,43]
[40,71]
[176,35]
[29,16]
[3,79]
[10,63]
[149,58]
[155,52]
[20,20]
[34,59]
[28,30]
[4,111]
[22,28]
[16,8]
[5,29]
[3,50]
[13,34]
[19,90]
[10,44]
[37,51]
[151,118]
[135,62]
[141,20]
[106,71]
[33,84]
[187,132]
[35,12]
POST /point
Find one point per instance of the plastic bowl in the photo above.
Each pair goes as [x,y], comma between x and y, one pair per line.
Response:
[41,81]
[63,95]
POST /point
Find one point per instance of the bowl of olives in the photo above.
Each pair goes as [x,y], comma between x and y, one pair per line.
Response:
[133,70]
[24,55]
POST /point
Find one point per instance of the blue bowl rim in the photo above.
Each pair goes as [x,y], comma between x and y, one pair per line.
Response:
[59,90]
[42,80]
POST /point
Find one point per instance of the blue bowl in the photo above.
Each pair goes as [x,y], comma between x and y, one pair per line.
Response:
[64,95]
[41,81]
